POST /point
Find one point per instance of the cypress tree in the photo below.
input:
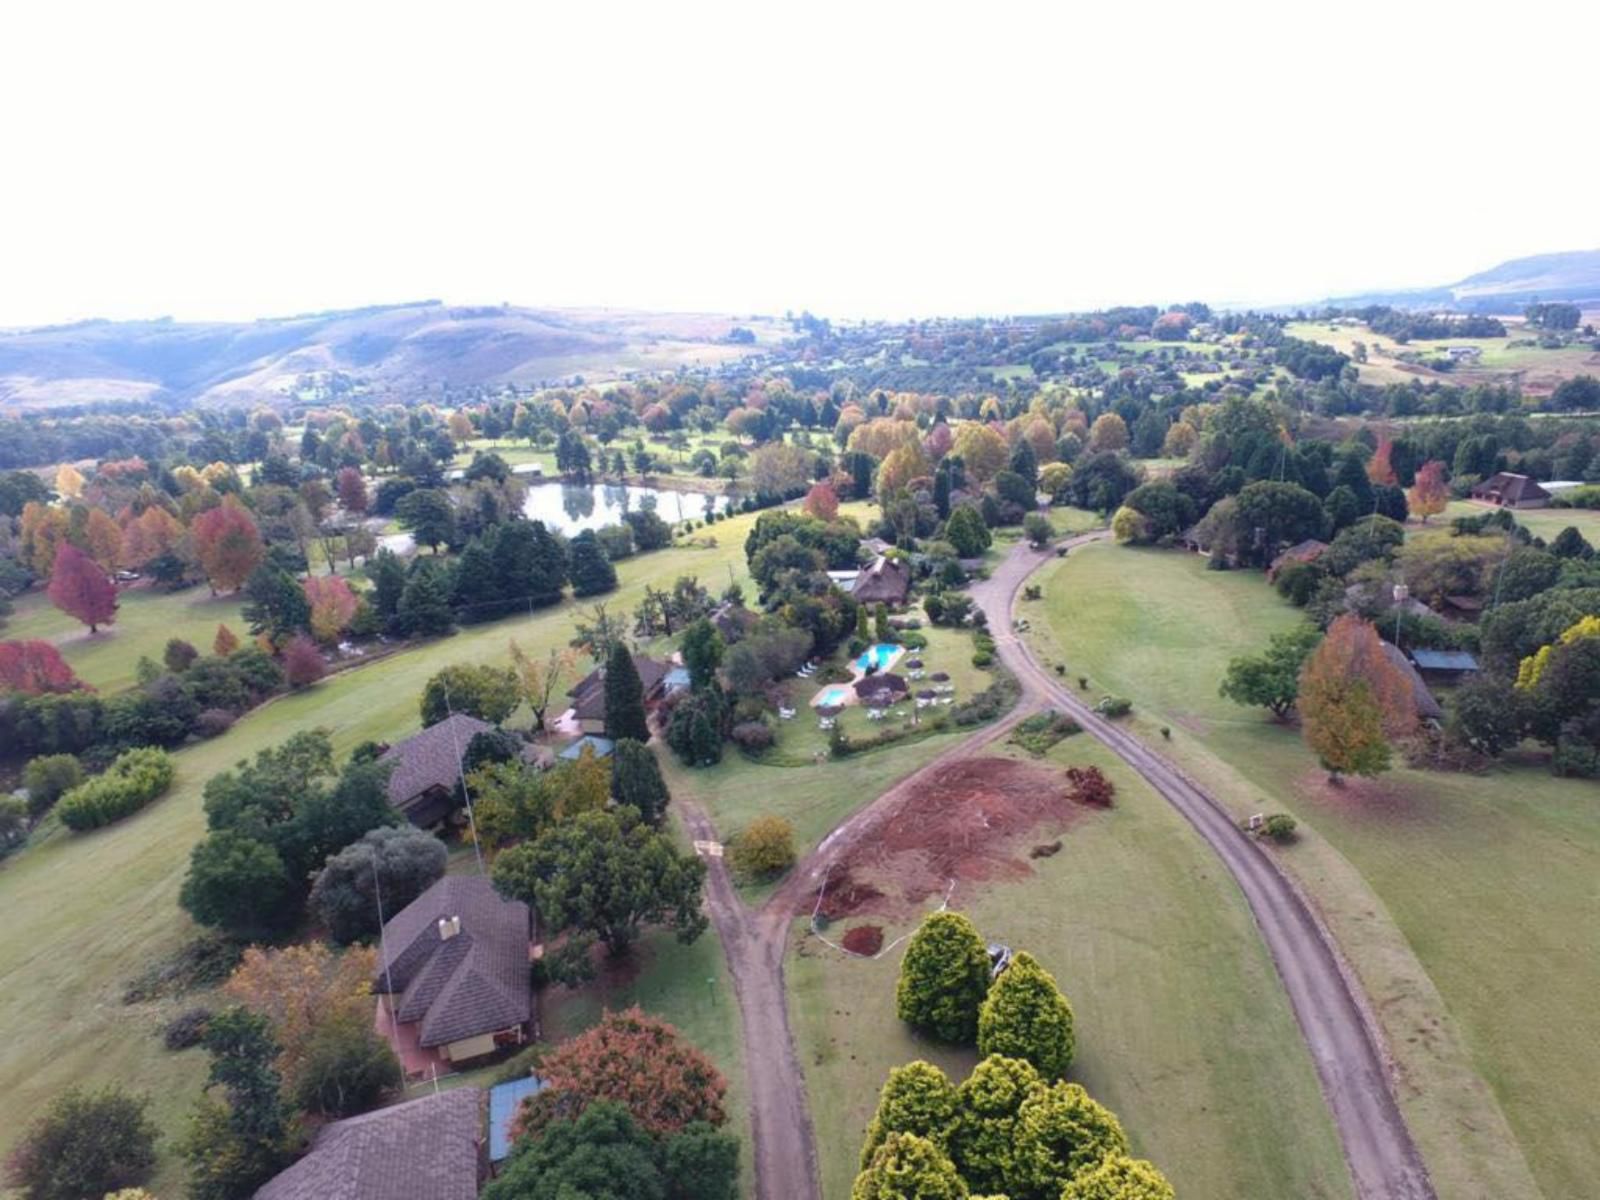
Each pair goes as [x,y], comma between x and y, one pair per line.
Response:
[625,715]
[277,604]
[941,491]
[425,604]
[1025,462]
[636,780]
[592,572]
[529,563]
[477,595]
[388,575]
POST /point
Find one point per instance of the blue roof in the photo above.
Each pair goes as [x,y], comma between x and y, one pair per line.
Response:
[602,746]
[1444,660]
[678,677]
[504,1100]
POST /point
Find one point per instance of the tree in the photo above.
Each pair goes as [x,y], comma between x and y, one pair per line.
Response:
[966,531]
[1581,393]
[69,481]
[702,1163]
[1487,715]
[80,588]
[1120,1178]
[944,978]
[1061,1133]
[347,1068]
[1167,511]
[982,451]
[1429,493]
[178,655]
[1272,678]
[763,849]
[1351,697]
[591,571]
[233,1148]
[297,989]
[303,663]
[702,649]
[822,502]
[624,693]
[352,489]
[1571,544]
[333,606]
[606,875]
[1525,573]
[228,545]
[429,516]
[917,1098]
[239,885]
[35,667]
[48,778]
[225,643]
[542,681]
[984,1141]
[600,1155]
[1380,468]
[101,539]
[636,780]
[390,865]
[489,693]
[84,1145]
[276,604]
[1026,1016]
[1038,530]
[424,607]
[908,1167]
[388,575]
[1269,514]
[638,1061]
[1109,432]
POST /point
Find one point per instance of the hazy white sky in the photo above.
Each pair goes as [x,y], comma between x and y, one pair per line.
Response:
[236,160]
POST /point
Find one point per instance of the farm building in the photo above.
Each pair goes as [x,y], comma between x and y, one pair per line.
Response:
[1511,491]
[453,980]
[589,695]
[431,1148]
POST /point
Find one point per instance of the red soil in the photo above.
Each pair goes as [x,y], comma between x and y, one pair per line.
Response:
[864,939]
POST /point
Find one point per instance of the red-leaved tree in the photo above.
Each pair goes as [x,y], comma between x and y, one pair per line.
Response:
[1429,491]
[352,490]
[1089,785]
[33,667]
[1380,468]
[333,604]
[228,545]
[636,1060]
[822,502]
[80,588]
[303,663]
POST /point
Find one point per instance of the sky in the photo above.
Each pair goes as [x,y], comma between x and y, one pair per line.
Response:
[230,161]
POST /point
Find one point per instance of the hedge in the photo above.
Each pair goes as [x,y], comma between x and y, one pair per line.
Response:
[132,781]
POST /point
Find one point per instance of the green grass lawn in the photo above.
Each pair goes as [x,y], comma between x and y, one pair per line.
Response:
[1183,1028]
[1541,522]
[146,619]
[1457,898]
[85,912]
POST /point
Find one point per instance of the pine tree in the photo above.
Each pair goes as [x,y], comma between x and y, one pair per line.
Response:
[425,604]
[636,780]
[276,604]
[941,491]
[625,712]
[1026,1016]
[388,575]
[478,595]
[592,572]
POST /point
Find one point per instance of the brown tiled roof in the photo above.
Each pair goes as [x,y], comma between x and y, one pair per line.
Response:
[428,760]
[424,1149]
[458,987]
[1512,489]
[589,694]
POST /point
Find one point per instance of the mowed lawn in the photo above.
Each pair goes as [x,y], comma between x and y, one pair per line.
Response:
[85,912]
[1466,903]
[1183,1027]
[1541,522]
[146,620]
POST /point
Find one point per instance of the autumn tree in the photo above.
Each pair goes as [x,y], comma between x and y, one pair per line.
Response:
[149,536]
[460,426]
[541,680]
[982,450]
[1026,1016]
[1429,492]
[944,978]
[333,606]
[1353,699]
[303,663]
[352,489]
[1380,470]
[100,538]
[1109,432]
[69,481]
[822,502]
[228,545]
[632,1059]
[225,643]
[33,667]
[81,589]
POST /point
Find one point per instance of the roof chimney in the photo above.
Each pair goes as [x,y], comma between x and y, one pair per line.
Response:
[449,927]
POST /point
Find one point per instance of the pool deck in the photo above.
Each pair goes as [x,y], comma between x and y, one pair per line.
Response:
[857,672]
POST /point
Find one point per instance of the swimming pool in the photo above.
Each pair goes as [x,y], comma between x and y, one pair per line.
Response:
[878,657]
[831,697]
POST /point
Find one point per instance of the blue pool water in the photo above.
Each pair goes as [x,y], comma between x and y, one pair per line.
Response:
[877,657]
[833,696]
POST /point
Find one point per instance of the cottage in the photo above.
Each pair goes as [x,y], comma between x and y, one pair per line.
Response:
[1511,491]
[453,979]
[1445,666]
[1428,708]
[1307,551]
[431,1148]
[589,696]
[422,786]
[886,581]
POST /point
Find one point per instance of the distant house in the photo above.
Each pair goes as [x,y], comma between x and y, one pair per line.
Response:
[422,786]
[453,979]
[431,1148]
[886,581]
[1511,491]
[1445,666]
[589,695]
[1428,708]
[1307,551]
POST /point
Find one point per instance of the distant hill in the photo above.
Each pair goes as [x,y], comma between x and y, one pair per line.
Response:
[397,348]
[1571,275]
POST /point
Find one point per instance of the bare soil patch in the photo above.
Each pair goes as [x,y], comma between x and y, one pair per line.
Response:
[1384,799]
[864,939]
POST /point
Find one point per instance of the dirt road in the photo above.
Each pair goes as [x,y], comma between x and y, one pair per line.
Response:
[1344,1046]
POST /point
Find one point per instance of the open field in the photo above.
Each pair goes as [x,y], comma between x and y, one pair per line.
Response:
[84,913]
[1183,1027]
[1542,522]
[146,620]
[1455,897]
[1536,369]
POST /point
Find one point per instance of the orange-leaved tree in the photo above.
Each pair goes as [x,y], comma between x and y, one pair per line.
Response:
[34,666]
[225,643]
[333,605]
[1429,492]
[822,501]
[1380,467]
[228,545]
[300,988]
[1353,699]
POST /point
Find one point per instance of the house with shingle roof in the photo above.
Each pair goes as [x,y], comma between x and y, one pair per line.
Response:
[431,1148]
[589,694]
[422,786]
[1510,490]
[454,970]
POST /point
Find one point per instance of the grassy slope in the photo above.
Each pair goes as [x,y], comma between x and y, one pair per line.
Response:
[1542,522]
[1183,1028]
[146,619]
[84,913]
[1454,896]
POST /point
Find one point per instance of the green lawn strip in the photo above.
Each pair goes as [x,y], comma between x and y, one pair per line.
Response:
[146,620]
[1183,1028]
[1450,894]
[86,912]
[1541,522]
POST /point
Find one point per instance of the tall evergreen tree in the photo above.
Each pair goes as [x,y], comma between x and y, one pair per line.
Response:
[1025,462]
[592,572]
[625,713]
[276,604]
[636,780]
[941,491]
[477,595]
[702,652]
[425,604]
[530,564]
[388,575]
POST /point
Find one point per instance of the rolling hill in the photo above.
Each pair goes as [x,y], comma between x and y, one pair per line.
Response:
[1570,275]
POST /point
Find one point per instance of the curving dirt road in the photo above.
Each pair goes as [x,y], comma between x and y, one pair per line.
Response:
[1344,1045]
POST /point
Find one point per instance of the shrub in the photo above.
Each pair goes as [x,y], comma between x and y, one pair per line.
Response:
[201,962]
[186,1029]
[136,778]
[1279,827]
[944,978]
[913,641]
[213,722]
[764,849]
[753,736]
[85,1145]
[988,704]
[1025,1016]
[1113,706]
[48,778]
[346,1069]
[1044,729]
[983,659]
[1089,786]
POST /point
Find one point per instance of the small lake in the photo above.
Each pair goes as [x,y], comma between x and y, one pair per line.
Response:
[570,508]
